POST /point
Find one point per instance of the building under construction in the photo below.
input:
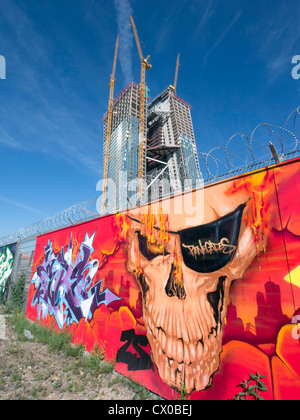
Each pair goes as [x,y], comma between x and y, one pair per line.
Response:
[123,148]
[149,149]
[172,160]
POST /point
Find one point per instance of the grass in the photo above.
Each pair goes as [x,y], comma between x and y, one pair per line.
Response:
[57,341]
[61,341]
[81,369]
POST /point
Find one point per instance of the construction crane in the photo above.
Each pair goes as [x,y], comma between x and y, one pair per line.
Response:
[176,73]
[108,127]
[142,120]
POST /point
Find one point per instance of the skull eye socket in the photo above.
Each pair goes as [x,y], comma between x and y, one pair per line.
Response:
[148,250]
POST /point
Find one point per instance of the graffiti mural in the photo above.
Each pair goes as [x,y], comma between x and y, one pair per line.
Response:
[183,298]
[63,288]
[7,254]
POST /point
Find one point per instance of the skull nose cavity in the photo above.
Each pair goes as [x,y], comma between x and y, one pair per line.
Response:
[174,287]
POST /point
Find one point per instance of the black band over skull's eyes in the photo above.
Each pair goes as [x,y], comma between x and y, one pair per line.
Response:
[205,248]
[210,247]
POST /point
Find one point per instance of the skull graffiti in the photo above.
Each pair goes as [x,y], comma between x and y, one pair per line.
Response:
[185,273]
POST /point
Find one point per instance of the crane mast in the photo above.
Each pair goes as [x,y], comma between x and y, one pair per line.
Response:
[176,73]
[108,127]
[142,117]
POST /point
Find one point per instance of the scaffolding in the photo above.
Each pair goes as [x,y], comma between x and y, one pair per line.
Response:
[171,140]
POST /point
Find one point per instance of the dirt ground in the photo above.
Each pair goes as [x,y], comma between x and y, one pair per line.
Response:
[29,371]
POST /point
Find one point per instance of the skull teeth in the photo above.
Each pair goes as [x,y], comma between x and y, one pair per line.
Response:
[195,375]
[180,359]
[174,348]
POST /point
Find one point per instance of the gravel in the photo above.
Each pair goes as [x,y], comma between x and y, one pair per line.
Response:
[29,371]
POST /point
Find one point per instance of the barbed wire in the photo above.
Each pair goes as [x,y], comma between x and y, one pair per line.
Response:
[223,161]
[76,214]
[241,153]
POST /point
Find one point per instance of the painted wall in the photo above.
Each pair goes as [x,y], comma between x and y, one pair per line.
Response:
[7,254]
[198,290]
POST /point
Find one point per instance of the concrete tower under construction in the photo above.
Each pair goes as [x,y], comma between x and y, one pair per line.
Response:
[123,149]
[172,160]
[171,153]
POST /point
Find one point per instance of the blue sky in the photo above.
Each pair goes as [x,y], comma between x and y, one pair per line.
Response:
[235,72]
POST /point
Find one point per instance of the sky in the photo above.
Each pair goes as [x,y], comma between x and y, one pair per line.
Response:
[235,71]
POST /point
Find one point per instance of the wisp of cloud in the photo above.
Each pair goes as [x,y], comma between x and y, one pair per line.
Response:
[124,10]
[222,36]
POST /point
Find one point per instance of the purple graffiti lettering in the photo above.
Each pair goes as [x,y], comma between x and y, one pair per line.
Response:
[64,288]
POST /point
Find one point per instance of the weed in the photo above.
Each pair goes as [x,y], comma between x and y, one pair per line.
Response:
[15,349]
[183,394]
[16,299]
[116,380]
[141,393]
[57,384]
[251,388]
